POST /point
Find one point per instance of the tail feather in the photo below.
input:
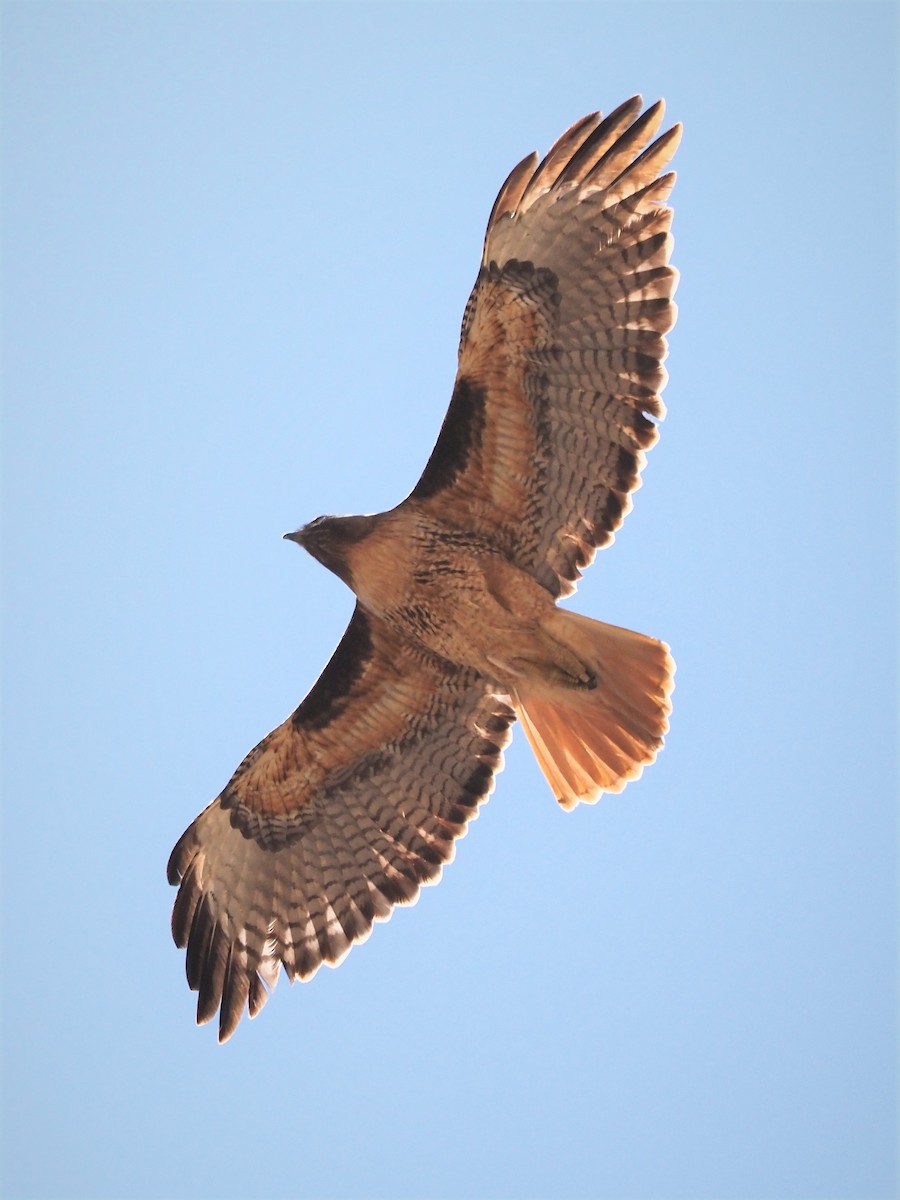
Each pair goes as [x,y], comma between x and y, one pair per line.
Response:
[589,741]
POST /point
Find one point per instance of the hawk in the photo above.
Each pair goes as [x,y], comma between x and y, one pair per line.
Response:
[356,800]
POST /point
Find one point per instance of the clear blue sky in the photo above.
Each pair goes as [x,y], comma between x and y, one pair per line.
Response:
[238,240]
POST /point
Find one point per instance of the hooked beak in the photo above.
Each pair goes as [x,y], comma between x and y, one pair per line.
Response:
[297,536]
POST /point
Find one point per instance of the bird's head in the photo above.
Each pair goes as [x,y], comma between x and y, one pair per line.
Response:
[328,539]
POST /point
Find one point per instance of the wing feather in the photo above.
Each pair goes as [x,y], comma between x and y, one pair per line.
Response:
[342,812]
[559,156]
[625,150]
[510,195]
[560,375]
[603,136]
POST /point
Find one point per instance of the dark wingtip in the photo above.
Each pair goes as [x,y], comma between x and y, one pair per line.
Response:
[182,853]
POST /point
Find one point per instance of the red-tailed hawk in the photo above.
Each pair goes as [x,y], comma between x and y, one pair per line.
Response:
[357,799]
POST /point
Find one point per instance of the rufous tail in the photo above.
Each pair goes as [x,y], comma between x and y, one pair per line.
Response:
[589,740]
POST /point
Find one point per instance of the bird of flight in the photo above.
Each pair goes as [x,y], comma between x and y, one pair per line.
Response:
[356,800]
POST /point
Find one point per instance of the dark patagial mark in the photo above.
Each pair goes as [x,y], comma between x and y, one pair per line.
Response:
[332,689]
[460,435]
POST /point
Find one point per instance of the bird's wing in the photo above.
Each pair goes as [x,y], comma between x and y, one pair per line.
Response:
[339,814]
[560,360]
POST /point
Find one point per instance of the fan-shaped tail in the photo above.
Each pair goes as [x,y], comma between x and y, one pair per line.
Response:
[596,738]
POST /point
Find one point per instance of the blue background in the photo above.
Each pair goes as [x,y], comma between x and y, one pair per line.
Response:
[238,241]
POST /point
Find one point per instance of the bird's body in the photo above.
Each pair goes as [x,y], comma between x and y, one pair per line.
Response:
[449,590]
[357,798]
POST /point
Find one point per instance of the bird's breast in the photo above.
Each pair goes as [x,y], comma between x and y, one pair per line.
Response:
[447,589]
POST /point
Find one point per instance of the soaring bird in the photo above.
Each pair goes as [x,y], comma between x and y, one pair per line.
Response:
[357,799]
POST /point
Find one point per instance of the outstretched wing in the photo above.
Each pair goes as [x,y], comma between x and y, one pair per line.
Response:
[339,814]
[560,359]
